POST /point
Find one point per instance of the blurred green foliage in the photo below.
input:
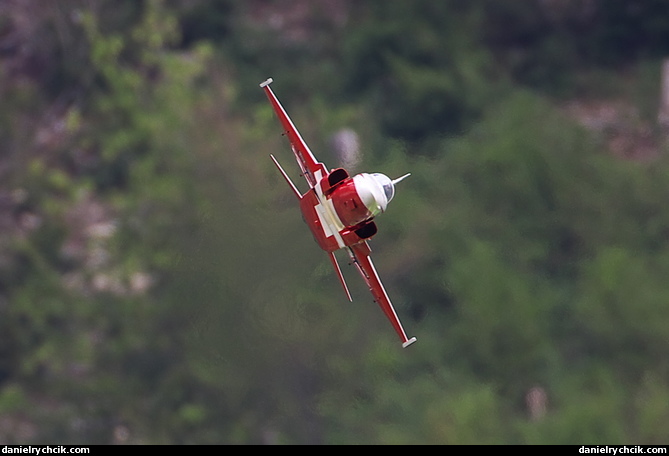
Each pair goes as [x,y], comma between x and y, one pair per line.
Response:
[158,286]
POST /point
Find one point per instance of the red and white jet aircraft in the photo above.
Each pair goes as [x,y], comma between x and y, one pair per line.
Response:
[340,209]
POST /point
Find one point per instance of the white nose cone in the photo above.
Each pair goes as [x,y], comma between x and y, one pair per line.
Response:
[376,190]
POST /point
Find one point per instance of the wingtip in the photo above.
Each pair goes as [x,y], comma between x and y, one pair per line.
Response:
[408,342]
[266,82]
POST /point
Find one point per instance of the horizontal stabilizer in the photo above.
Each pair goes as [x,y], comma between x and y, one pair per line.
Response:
[285,176]
[340,275]
[267,82]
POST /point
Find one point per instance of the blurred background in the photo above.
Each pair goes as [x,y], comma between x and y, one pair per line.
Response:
[157,283]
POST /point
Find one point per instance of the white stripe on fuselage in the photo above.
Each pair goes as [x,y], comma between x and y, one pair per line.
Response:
[327,215]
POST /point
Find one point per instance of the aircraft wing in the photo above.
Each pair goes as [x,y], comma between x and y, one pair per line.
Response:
[312,170]
[360,255]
